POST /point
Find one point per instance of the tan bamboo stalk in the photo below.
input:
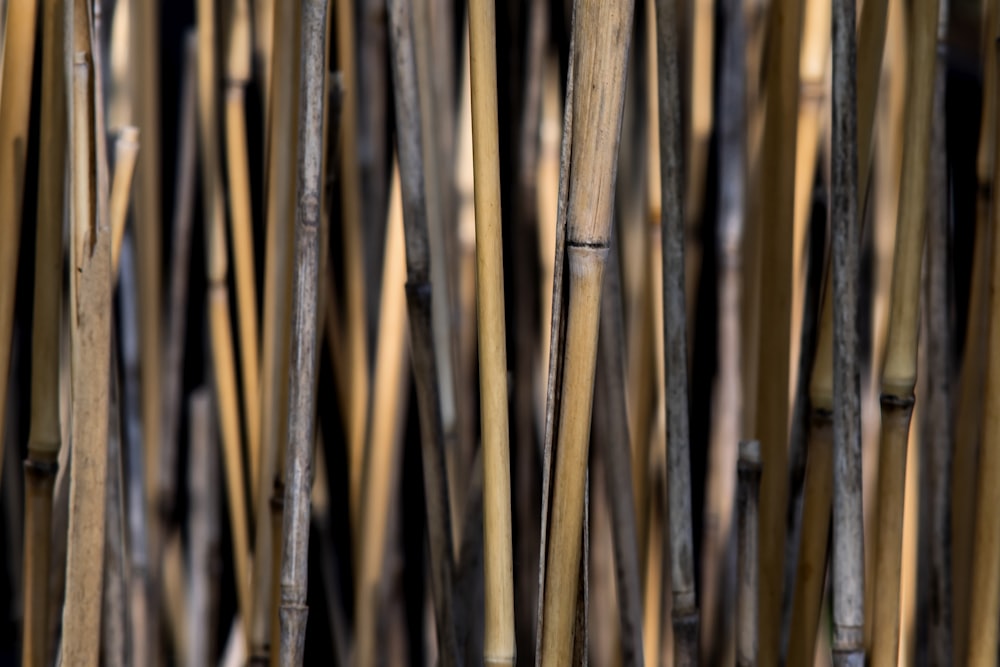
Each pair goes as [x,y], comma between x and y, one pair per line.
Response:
[354,304]
[145,79]
[748,471]
[44,438]
[602,37]
[848,553]
[384,432]
[971,375]
[237,71]
[126,153]
[984,601]
[263,51]
[305,315]
[499,645]
[655,640]
[220,327]
[282,131]
[899,372]
[684,599]
[776,225]
[90,254]
[14,120]
[203,470]
[418,297]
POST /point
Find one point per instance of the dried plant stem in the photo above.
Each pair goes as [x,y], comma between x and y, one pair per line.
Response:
[602,37]
[90,254]
[499,644]
[126,154]
[44,439]
[418,296]
[203,548]
[16,70]
[748,470]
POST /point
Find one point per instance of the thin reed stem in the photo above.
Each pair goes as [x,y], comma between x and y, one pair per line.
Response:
[126,154]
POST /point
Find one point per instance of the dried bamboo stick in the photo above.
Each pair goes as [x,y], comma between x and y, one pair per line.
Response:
[203,471]
[44,439]
[238,58]
[305,316]
[15,107]
[602,40]
[499,645]
[418,297]
[656,641]
[126,154]
[91,292]
[217,298]
[748,471]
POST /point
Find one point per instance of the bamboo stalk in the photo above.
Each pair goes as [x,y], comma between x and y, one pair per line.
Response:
[499,644]
[16,70]
[217,299]
[602,39]
[203,470]
[899,372]
[418,297]
[848,558]
[91,292]
[984,601]
[748,471]
[126,153]
[44,438]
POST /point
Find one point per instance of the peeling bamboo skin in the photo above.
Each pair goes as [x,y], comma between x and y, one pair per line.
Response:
[891,473]
[748,494]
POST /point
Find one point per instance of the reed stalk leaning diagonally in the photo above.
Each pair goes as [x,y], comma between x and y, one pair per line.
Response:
[985,601]
[900,370]
[748,471]
[126,155]
[44,439]
[499,642]
[601,36]
[418,298]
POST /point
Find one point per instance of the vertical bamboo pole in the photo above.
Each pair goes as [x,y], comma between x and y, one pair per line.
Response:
[15,107]
[90,253]
[748,471]
[44,439]
[305,315]
[126,154]
[499,643]
[602,36]
[203,471]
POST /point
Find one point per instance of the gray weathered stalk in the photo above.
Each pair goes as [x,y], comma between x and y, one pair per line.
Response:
[748,496]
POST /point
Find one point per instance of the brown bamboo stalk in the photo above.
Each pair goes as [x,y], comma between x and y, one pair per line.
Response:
[18,61]
[44,438]
[90,284]
[656,642]
[203,470]
[126,153]
[418,297]
[984,601]
[384,432]
[899,372]
[238,59]
[748,472]
[305,315]
[971,375]
[499,644]
[602,36]
[220,326]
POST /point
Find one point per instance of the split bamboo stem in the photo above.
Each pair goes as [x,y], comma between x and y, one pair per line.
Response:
[220,326]
[499,644]
[968,410]
[777,200]
[848,553]
[91,328]
[15,107]
[899,372]
[419,308]
[984,597]
[601,35]
[748,472]
[305,316]
[44,439]
[126,154]
[684,607]
[238,59]
[384,433]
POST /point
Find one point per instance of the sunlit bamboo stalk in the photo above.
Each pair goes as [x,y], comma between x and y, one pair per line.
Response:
[126,153]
